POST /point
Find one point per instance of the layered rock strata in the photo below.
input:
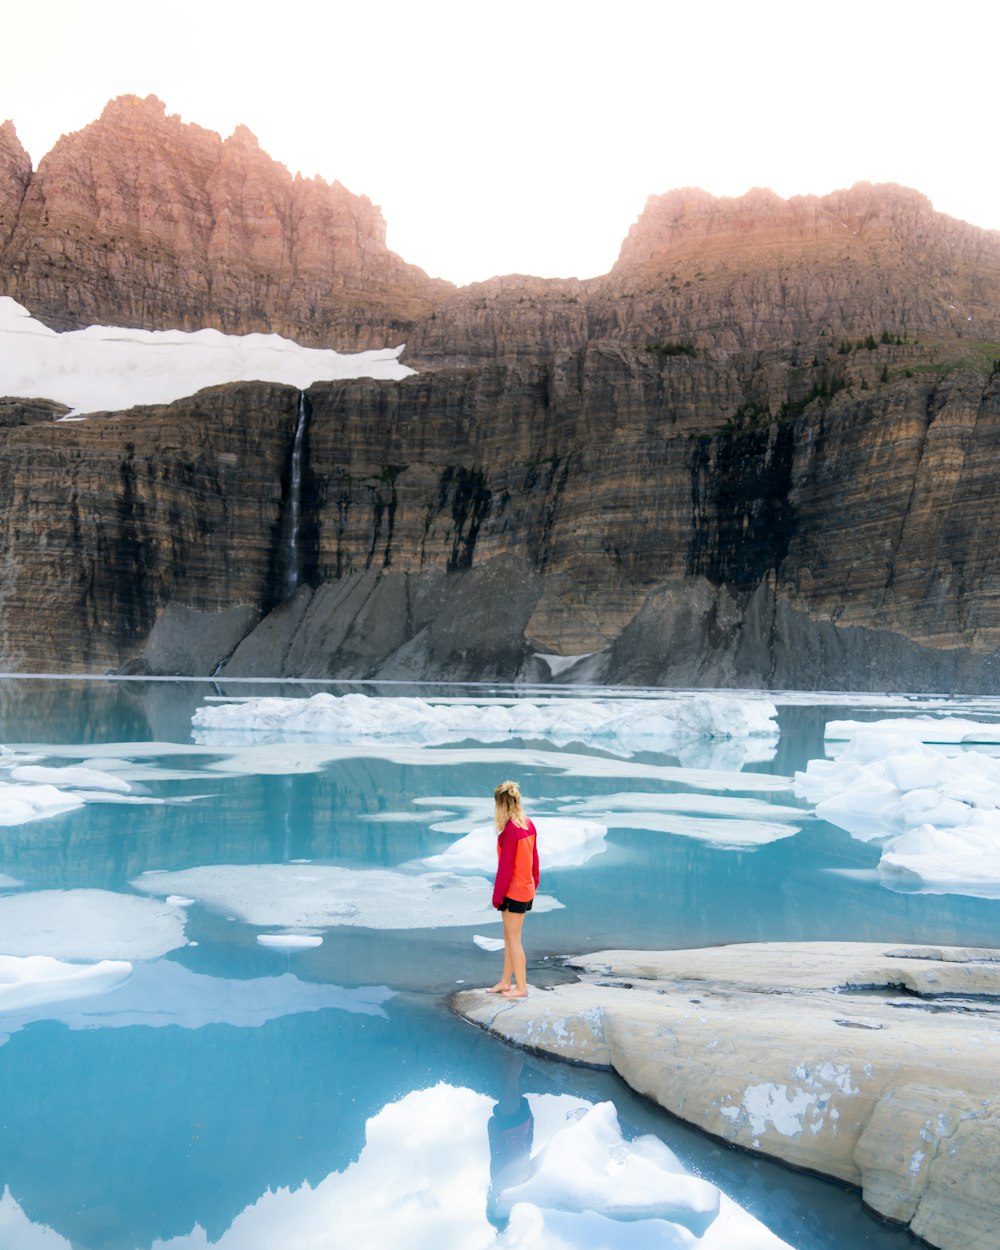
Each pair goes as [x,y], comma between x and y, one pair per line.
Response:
[463,521]
[859,1061]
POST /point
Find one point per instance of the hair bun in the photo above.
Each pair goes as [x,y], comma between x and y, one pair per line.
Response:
[507,787]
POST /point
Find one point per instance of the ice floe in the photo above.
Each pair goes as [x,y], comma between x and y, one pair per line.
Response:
[164,993]
[88,924]
[487,943]
[74,776]
[290,941]
[935,809]
[108,368]
[933,729]
[424,1180]
[282,895]
[20,803]
[728,822]
[562,842]
[634,724]
[30,980]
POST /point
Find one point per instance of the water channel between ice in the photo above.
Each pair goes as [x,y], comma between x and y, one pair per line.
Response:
[173,1081]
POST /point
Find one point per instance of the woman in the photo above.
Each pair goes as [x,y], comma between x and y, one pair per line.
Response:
[515,885]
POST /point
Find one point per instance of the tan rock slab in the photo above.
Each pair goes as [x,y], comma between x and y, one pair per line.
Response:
[872,1063]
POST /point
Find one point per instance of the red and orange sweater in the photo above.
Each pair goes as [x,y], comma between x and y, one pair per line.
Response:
[517,869]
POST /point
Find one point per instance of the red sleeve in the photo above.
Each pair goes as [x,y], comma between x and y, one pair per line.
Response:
[505,868]
[534,859]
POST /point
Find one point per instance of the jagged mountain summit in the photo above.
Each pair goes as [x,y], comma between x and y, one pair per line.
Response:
[760,451]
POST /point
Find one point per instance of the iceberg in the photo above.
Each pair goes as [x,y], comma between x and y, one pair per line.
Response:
[636,724]
[934,809]
[110,368]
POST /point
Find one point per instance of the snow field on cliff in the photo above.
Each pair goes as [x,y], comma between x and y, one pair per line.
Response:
[934,808]
[629,723]
[110,368]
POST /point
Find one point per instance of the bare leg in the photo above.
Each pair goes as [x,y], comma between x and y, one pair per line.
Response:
[503,985]
[514,952]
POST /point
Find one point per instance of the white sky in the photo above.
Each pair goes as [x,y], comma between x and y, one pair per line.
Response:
[525,136]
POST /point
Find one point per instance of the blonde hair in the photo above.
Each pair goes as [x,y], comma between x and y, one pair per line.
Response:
[507,797]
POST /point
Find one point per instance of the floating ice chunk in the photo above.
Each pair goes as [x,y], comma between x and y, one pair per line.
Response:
[290,941]
[74,776]
[730,823]
[179,900]
[88,924]
[564,843]
[936,809]
[695,804]
[633,723]
[30,980]
[933,729]
[21,803]
[488,944]
[9,883]
[372,898]
[108,368]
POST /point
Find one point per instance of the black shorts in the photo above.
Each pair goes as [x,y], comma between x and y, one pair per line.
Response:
[515,904]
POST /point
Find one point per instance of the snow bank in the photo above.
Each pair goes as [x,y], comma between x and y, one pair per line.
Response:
[634,723]
[935,810]
[281,895]
[88,924]
[30,980]
[107,368]
[562,843]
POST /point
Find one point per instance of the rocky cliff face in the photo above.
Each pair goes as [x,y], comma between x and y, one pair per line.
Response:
[142,220]
[761,451]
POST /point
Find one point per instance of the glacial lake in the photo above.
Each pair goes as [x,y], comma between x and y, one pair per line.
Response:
[209,1089]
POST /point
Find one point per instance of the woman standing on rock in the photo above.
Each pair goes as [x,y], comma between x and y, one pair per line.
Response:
[515,885]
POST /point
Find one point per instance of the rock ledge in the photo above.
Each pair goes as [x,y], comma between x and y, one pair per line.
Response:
[872,1063]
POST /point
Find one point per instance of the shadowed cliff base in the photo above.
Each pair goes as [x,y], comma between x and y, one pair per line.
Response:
[471,626]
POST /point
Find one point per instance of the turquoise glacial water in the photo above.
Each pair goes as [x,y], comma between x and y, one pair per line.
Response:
[244,1096]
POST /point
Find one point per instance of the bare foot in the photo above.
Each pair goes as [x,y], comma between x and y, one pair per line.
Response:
[499,988]
[509,993]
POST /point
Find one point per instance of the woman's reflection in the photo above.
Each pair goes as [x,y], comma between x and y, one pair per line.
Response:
[511,1129]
